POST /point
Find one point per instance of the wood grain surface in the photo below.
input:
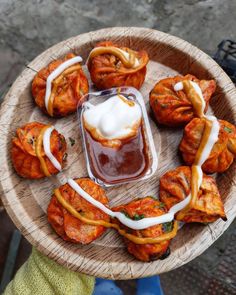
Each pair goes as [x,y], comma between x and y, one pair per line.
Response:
[26,201]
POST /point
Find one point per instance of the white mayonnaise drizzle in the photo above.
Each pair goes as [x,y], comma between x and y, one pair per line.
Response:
[211,140]
[213,137]
[200,173]
[168,217]
[179,206]
[62,67]
[179,86]
[114,118]
[134,224]
[126,55]
[47,149]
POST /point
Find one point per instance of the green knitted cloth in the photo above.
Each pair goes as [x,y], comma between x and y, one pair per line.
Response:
[40,275]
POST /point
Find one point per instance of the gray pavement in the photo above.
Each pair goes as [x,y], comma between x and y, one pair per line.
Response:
[29,27]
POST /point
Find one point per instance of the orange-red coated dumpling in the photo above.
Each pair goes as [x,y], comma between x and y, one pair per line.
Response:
[136,210]
[23,151]
[111,65]
[66,91]
[223,152]
[71,228]
[175,186]
[173,108]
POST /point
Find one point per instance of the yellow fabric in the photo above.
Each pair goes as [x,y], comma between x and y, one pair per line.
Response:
[40,275]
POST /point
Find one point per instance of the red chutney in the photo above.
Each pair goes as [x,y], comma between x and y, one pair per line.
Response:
[129,162]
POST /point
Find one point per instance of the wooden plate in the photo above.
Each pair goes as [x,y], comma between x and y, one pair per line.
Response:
[26,201]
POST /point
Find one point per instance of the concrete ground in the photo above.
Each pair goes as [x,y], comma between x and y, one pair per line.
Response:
[29,27]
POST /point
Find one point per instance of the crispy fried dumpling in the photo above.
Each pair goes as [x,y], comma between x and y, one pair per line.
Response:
[112,66]
[175,186]
[67,89]
[71,228]
[136,210]
[173,108]
[24,156]
[223,152]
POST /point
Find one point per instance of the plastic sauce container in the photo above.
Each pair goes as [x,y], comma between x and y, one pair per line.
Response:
[135,160]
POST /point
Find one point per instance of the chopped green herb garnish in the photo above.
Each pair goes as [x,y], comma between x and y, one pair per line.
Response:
[138,217]
[126,214]
[227,129]
[162,205]
[72,141]
[167,226]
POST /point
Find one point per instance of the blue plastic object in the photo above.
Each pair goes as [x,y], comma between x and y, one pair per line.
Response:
[146,286]
[149,286]
[106,287]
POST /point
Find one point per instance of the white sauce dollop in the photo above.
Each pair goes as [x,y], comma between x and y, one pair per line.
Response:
[47,149]
[114,118]
[62,67]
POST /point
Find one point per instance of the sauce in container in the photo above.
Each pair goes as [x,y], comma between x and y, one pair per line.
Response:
[117,138]
[128,162]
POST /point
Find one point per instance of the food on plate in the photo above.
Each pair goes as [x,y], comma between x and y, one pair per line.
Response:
[114,139]
[143,208]
[187,189]
[223,151]
[69,227]
[78,212]
[171,104]
[38,150]
[111,65]
[58,88]
[175,186]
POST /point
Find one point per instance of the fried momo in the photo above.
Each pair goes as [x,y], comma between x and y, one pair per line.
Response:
[23,151]
[71,228]
[175,186]
[67,89]
[114,66]
[138,209]
[224,150]
[173,108]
